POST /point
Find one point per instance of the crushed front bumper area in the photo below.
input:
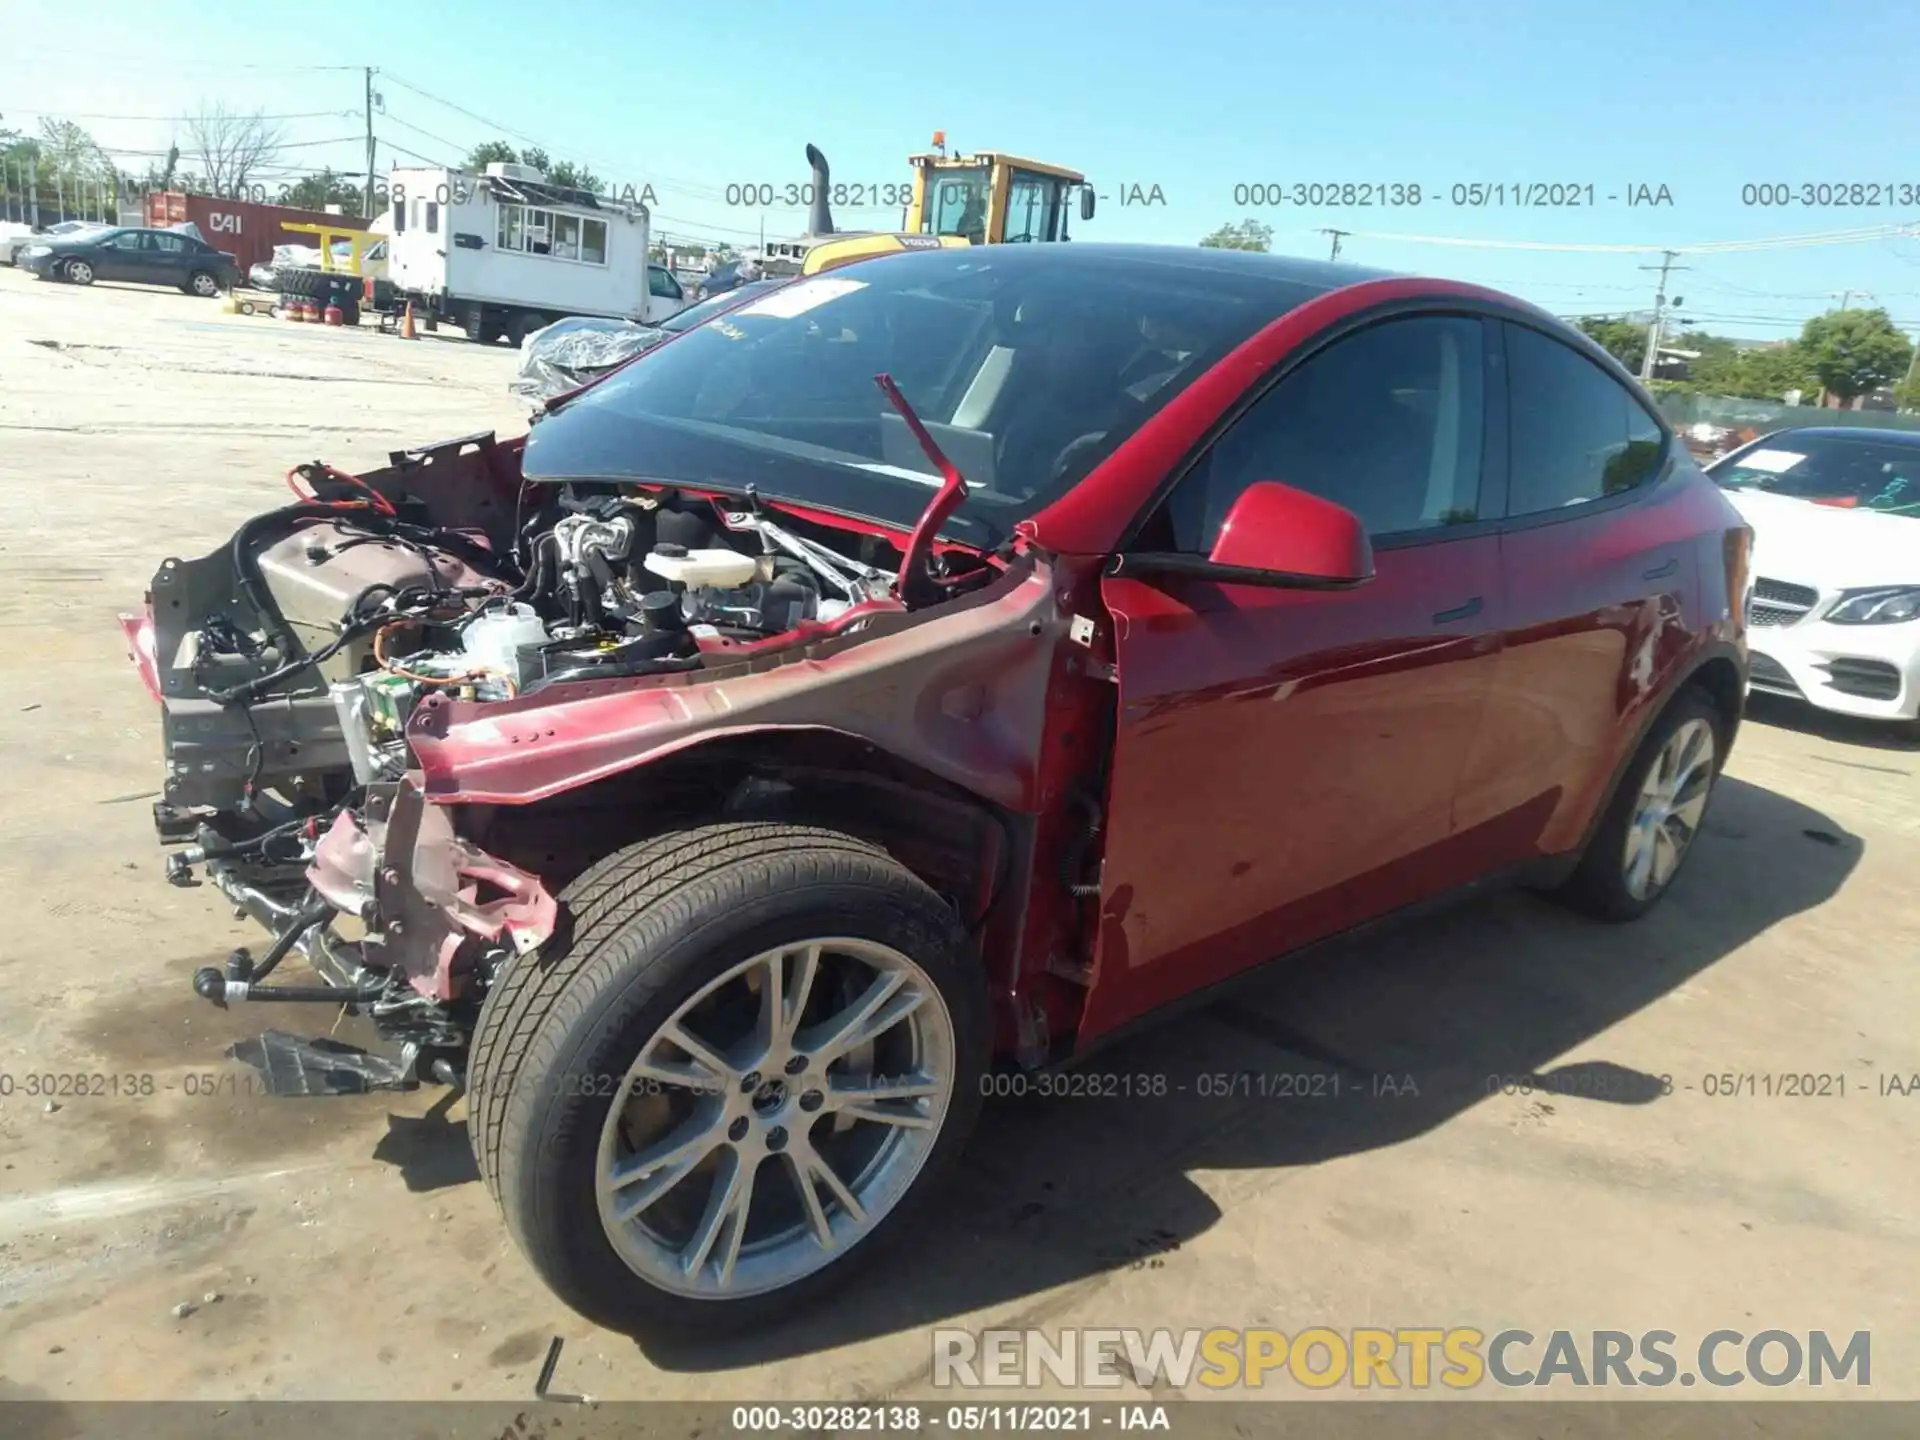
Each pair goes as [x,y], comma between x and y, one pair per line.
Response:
[437,916]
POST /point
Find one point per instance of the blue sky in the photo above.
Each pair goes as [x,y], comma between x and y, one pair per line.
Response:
[1195,98]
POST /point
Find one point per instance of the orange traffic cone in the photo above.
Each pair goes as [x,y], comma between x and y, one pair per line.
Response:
[406,324]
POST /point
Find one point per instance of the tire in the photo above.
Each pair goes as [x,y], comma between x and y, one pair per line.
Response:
[656,935]
[1606,885]
[77,272]
[473,321]
[521,326]
[203,283]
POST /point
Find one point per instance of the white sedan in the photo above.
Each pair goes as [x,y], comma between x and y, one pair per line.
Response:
[1835,614]
[13,236]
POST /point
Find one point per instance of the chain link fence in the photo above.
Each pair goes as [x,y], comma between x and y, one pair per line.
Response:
[1734,413]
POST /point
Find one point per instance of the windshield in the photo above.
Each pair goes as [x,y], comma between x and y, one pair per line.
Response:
[1028,364]
[957,203]
[717,304]
[1840,470]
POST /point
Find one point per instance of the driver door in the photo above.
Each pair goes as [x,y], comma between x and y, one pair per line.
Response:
[1285,760]
[117,257]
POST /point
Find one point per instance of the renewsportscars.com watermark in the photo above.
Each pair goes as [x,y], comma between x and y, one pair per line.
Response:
[1461,1358]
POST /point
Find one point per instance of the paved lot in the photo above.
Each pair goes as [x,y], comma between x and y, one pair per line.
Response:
[355,1255]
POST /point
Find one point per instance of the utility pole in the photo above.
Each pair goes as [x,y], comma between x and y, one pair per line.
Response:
[1666,266]
[366,205]
[1338,236]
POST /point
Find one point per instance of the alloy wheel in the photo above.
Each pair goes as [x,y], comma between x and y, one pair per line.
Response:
[79,272]
[204,284]
[775,1119]
[1673,797]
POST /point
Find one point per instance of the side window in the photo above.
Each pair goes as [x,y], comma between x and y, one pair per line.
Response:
[659,282]
[167,244]
[1578,434]
[1386,422]
[1029,214]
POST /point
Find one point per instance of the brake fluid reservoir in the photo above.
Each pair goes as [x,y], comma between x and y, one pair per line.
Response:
[492,641]
[702,569]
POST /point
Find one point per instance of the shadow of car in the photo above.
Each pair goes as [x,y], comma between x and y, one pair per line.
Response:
[139,256]
[1371,1041]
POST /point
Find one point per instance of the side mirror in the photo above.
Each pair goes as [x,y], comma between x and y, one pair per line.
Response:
[1280,531]
[1274,535]
[1086,202]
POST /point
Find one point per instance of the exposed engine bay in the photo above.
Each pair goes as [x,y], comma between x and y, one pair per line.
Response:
[293,659]
[291,662]
[614,586]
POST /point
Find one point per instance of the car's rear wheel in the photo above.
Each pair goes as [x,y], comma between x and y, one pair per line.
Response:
[78,272]
[747,1053]
[1656,814]
[203,283]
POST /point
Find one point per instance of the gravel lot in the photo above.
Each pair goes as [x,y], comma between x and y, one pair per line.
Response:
[354,1255]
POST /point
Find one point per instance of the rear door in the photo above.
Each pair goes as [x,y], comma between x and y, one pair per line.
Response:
[1285,760]
[1599,570]
[166,258]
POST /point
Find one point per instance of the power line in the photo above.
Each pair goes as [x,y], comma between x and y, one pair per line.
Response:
[94,55]
[413,154]
[1710,247]
[691,189]
[180,119]
[405,125]
[461,109]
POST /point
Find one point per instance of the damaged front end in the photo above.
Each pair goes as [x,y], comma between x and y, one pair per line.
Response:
[365,692]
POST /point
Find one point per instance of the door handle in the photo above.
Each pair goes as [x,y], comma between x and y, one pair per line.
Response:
[1459,612]
[1661,572]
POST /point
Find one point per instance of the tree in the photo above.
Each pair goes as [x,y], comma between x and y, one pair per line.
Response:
[71,152]
[1906,394]
[564,173]
[323,188]
[1622,339]
[1854,351]
[569,176]
[1247,235]
[494,152]
[231,147]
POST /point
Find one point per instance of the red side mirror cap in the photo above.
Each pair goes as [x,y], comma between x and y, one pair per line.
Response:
[1278,529]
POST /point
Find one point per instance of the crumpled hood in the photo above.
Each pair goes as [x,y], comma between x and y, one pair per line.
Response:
[1828,547]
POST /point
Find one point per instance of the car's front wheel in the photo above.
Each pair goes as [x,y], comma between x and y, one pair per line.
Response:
[749,1049]
[1656,814]
[78,272]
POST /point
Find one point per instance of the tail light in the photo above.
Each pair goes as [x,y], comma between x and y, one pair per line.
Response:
[1738,552]
[140,649]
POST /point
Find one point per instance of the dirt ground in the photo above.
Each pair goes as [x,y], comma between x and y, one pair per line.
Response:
[353,1253]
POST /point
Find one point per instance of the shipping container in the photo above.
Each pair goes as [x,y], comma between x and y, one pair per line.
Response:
[245,229]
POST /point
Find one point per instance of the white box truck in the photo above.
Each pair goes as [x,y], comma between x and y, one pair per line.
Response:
[501,254]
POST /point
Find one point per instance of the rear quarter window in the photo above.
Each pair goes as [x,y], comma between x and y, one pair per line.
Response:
[1577,434]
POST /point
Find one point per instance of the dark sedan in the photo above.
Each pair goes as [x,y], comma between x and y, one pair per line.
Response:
[145,257]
